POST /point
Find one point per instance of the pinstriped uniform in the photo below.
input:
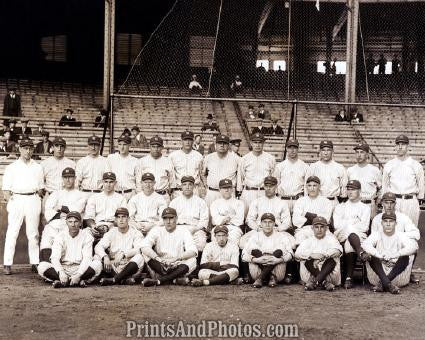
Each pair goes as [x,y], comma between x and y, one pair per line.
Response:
[52,172]
[404,225]
[89,173]
[146,210]
[229,254]
[125,170]
[186,164]
[101,207]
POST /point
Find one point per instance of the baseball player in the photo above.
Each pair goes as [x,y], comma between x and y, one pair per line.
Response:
[124,165]
[319,258]
[351,222]
[404,223]
[146,207]
[369,176]
[219,165]
[220,261]
[186,162]
[332,175]
[267,253]
[123,245]
[22,187]
[291,175]
[235,145]
[72,256]
[253,168]
[308,207]
[192,212]
[101,207]
[170,252]
[58,205]
[90,169]
[158,165]
[404,177]
[228,211]
[391,256]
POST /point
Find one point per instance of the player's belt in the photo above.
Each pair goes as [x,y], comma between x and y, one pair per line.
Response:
[161,192]
[178,189]
[25,193]
[332,198]
[123,191]
[253,188]
[297,196]
[366,201]
[213,189]
[406,197]
[87,190]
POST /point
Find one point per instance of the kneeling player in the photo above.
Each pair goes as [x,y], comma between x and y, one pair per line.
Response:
[267,253]
[391,260]
[123,244]
[170,251]
[319,256]
[220,261]
[72,256]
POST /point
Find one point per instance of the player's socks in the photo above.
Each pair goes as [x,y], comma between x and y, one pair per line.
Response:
[265,272]
[350,260]
[355,242]
[309,264]
[88,274]
[219,279]
[327,268]
[399,267]
[51,274]
[376,266]
[180,270]
[130,269]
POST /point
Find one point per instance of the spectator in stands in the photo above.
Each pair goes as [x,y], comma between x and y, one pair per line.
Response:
[395,65]
[194,86]
[100,119]
[3,127]
[259,128]
[137,139]
[275,129]
[126,132]
[9,146]
[332,70]
[235,144]
[210,124]
[68,119]
[381,64]
[12,104]
[40,129]
[198,145]
[14,135]
[24,131]
[262,112]
[341,116]
[370,64]
[45,147]
[236,85]
[356,117]
[251,113]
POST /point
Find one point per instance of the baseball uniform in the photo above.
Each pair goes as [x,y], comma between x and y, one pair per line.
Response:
[52,172]
[89,174]
[125,170]
[404,225]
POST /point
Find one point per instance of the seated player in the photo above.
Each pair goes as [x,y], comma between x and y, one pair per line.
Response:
[58,204]
[319,258]
[170,252]
[390,256]
[146,207]
[72,256]
[351,222]
[306,208]
[220,261]
[123,245]
[267,253]
[404,223]
[228,211]
[192,212]
[101,207]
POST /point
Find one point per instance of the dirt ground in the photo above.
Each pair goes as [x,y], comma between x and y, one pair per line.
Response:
[31,309]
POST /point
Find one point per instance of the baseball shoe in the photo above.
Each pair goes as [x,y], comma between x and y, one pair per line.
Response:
[330,287]
[288,279]
[83,284]
[272,281]
[130,281]
[348,284]
[107,281]
[378,288]
[365,256]
[258,283]
[7,270]
[246,279]
[57,284]
[181,281]
[149,282]
[414,279]
[34,268]
[239,281]
[393,289]
[197,283]
[311,284]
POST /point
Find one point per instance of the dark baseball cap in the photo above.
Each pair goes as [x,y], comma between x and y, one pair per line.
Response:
[68,172]
[293,142]
[354,184]
[222,138]
[270,180]
[257,137]
[403,139]
[148,176]
[94,140]
[26,142]
[169,212]
[320,220]
[313,179]
[236,141]
[109,175]
[389,196]
[362,146]
[268,216]
[156,140]
[389,216]
[187,179]
[225,183]
[59,141]
[122,211]
[187,135]
[326,144]
[74,214]
[124,138]
[221,229]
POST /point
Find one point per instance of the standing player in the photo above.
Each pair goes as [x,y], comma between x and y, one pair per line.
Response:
[186,162]
[192,212]
[332,175]
[267,253]
[308,207]
[90,169]
[351,221]
[291,175]
[123,245]
[124,165]
[170,252]
[369,176]
[319,257]
[22,187]
[253,168]
[235,145]
[101,207]
[404,177]
[58,205]
[158,165]
[72,256]
[221,164]
[220,261]
[146,207]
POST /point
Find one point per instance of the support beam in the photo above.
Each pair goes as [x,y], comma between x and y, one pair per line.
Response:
[352,36]
[106,55]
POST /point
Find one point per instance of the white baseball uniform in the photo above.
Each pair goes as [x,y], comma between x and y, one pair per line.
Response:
[192,213]
[52,172]
[125,170]
[101,207]
[404,225]
[23,180]
[89,173]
